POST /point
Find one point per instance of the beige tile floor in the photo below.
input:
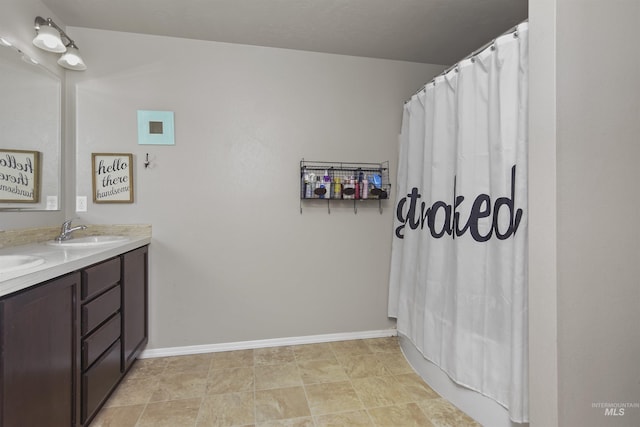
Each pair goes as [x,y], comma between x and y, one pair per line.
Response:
[347,383]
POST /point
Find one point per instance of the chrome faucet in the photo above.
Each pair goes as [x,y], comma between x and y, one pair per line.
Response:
[66,230]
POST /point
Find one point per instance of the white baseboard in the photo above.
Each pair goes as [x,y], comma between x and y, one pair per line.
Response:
[275,342]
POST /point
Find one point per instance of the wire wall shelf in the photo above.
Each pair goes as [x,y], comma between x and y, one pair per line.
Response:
[340,181]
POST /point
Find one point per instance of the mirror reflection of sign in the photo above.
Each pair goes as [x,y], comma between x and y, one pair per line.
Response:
[112,178]
[19,172]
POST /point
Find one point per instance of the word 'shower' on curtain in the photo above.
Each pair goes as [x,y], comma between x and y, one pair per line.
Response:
[458,284]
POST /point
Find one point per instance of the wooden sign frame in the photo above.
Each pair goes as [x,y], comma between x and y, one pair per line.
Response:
[112,177]
[19,176]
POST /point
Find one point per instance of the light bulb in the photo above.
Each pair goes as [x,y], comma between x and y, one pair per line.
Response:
[49,42]
[72,59]
[48,39]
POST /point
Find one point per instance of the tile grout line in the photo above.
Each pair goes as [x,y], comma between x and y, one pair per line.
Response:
[255,398]
[204,394]
[364,407]
[146,405]
[416,402]
[304,388]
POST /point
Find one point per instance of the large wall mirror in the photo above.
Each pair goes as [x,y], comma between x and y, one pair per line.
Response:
[30,121]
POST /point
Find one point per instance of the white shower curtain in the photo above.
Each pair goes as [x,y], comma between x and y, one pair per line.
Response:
[458,284]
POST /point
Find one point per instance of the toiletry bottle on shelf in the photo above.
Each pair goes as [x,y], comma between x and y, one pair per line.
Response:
[376,185]
[327,184]
[364,189]
[305,189]
[337,188]
[308,191]
[321,188]
[311,186]
[317,191]
[356,194]
[360,183]
[348,189]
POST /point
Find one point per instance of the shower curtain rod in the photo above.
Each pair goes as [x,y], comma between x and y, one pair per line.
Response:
[512,30]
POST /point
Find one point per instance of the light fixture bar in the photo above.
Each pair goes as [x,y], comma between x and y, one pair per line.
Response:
[40,21]
[50,37]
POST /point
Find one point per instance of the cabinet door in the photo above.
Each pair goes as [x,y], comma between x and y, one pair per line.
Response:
[100,380]
[135,330]
[40,353]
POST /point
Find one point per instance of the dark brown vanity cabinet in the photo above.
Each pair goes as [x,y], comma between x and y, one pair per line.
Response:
[68,342]
[39,355]
[100,326]
[135,331]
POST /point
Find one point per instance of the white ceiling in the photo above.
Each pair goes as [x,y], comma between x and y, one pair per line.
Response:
[430,31]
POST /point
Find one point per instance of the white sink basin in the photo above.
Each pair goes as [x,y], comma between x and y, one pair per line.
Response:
[18,262]
[88,241]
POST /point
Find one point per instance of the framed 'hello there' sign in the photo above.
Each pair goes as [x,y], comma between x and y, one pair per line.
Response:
[112,177]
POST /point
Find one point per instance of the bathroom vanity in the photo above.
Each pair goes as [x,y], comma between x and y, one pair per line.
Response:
[70,329]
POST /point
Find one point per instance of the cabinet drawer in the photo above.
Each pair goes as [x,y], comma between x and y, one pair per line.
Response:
[100,309]
[96,343]
[100,277]
[98,381]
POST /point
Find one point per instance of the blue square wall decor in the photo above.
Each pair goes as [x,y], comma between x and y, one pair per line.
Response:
[155,128]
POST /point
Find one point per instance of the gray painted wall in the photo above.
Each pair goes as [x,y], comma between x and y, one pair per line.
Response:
[543,268]
[232,258]
[598,102]
[586,101]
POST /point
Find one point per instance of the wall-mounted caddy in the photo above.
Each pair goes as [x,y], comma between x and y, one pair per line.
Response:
[338,181]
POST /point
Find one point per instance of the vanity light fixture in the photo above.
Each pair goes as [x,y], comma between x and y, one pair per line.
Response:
[71,59]
[50,37]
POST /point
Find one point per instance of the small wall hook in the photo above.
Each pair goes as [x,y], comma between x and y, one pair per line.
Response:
[146,162]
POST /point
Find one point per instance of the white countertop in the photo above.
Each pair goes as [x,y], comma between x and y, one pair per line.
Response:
[59,261]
